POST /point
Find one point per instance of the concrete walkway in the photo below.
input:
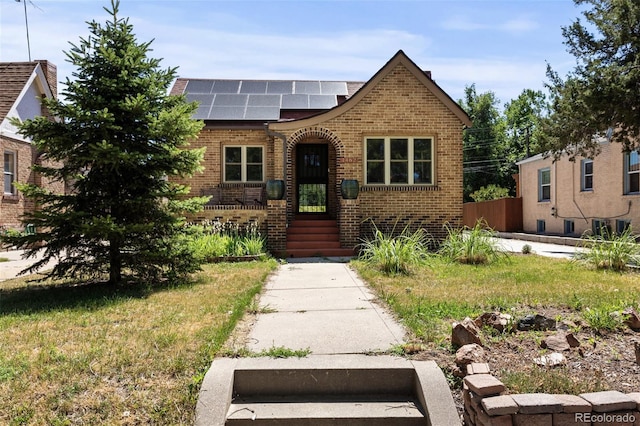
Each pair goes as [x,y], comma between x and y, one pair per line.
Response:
[16,263]
[323,307]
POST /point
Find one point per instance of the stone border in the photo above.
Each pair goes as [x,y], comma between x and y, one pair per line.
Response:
[486,404]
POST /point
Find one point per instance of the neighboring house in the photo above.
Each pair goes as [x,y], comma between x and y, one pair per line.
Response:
[586,195]
[399,135]
[22,86]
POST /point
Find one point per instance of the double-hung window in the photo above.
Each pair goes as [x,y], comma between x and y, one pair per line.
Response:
[243,164]
[9,172]
[586,175]
[399,161]
[544,184]
[631,172]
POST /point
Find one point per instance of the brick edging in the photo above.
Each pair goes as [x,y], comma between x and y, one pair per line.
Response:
[486,404]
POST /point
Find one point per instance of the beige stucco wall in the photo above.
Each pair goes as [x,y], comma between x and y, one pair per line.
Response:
[606,201]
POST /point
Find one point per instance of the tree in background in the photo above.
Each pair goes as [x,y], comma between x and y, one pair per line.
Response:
[602,92]
[119,138]
[481,159]
[522,132]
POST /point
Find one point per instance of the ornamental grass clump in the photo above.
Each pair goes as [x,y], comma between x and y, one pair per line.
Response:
[610,251]
[396,254]
[215,239]
[473,246]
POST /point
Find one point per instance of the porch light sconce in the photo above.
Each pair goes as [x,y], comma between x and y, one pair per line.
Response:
[350,189]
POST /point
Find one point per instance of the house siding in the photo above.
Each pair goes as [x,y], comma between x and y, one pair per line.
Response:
[606,201]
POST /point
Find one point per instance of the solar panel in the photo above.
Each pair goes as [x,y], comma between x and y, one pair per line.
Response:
[295,101]
[251,86]
[226,86]
[265,100]
[223,99]
[307,87]
[199,86]
[283,87]
[226,113]
[262,113]
[322,101]
[203,100]
[334,88]
[202,113]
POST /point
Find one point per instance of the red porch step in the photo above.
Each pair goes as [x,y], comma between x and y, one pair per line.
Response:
[315,237]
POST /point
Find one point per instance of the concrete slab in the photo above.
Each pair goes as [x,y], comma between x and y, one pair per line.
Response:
[316,299]
[16,263]
[326,332]
[313,275]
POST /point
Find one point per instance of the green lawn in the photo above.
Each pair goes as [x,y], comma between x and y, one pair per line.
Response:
[91,354]
[434,295]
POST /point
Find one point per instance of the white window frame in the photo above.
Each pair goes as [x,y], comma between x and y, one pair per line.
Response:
[628,172]
[542,185]
[410,159]
[584,175]
[243,163]
[12,172]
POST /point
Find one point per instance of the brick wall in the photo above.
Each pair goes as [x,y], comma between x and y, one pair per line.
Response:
[399,104]
[13,207]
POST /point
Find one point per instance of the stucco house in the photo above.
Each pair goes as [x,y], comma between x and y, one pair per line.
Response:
[586,195]
[22,86]
[316,163]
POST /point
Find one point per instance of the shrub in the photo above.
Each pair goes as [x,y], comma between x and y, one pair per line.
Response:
[396,255]
[489,192]
[526,249]
[610,251]
[472,246]
[214,239]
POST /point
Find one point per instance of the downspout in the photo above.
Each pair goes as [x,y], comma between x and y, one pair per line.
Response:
[284,149]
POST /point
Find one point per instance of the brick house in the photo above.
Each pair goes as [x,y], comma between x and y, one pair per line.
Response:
[396,139]
[573,197]
[22,85]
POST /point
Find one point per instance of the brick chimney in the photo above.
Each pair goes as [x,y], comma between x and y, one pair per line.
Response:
[51,74]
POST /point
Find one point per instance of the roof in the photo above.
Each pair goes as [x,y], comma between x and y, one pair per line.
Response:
[262,100]
[13,78]
[400,58]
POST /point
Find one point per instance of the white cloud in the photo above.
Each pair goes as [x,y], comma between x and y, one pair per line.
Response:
[516,25]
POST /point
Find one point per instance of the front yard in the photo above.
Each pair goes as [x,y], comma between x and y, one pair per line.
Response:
[588,301]
[91,354]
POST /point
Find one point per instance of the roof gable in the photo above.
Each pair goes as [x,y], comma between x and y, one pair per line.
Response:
[21,84]
[399,59]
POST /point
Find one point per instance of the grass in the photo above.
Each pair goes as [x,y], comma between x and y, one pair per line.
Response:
[428,300]
[556,381]
[92,354]
[611,251]
[396,254]
[474,246]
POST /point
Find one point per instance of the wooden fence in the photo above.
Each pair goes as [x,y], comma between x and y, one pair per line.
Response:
[503,215]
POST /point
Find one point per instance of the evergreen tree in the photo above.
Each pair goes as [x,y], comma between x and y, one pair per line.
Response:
[118,139]
[601,93]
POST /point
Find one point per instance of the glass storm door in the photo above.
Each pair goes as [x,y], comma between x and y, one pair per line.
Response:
[312,177]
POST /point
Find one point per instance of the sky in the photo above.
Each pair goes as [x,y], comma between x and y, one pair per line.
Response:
[500,46]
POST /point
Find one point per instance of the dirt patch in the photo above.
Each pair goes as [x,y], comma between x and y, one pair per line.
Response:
[603,361]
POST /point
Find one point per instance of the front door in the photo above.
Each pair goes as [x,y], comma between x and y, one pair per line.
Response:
[312,177]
